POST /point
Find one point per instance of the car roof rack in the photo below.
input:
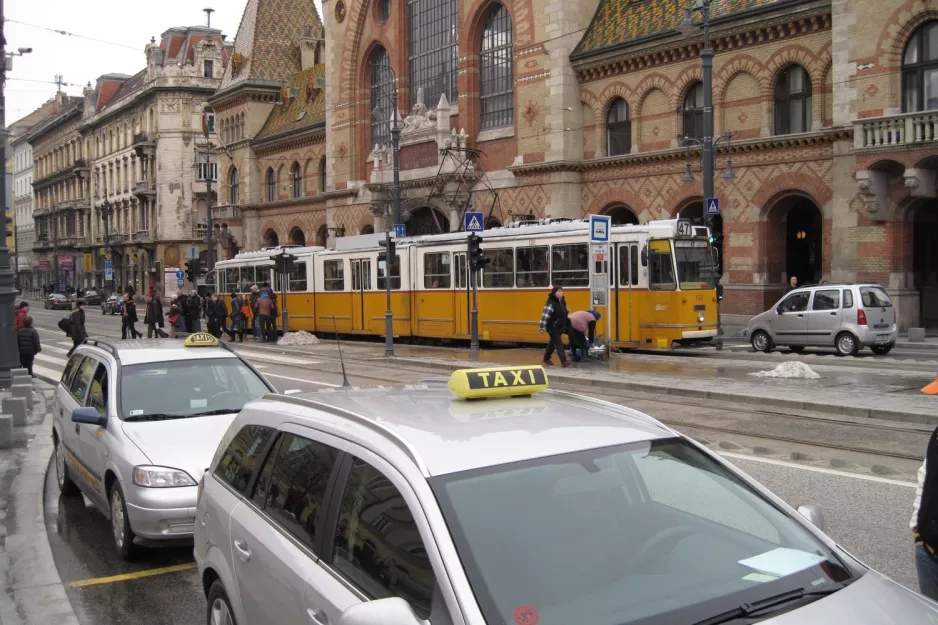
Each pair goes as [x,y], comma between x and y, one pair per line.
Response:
[103,345]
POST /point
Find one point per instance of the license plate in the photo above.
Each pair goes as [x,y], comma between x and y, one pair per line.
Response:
[882,338]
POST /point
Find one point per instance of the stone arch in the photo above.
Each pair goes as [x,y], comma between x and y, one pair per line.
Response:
[619,196]
[367,229]
[655,122]
[621,214]
[793,236]
[614,91]
[271,238]
[742,64]
[322,236]
[793,182]
[425,220]
[898,29]
[738,111]
[649,84]
[682,83]
[790,55]
[297,237]
[688,202]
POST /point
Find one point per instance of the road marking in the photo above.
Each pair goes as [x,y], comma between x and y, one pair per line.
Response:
[250,354]
[793,465]
[97,581]
[51,359]
[47,373]
[285,377]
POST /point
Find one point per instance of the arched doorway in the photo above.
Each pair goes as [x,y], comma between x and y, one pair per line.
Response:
[621,215]
[492,222]
[794,241]
[426,221]
[693,211]
[368,230]
[297,237]
[925,261]
[271,239]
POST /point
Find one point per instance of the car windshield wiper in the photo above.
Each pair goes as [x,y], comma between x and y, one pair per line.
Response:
[209,413]
[156,416]
[756,608]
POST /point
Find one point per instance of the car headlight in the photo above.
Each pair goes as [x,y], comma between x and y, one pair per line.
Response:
[700,318]
[161,477]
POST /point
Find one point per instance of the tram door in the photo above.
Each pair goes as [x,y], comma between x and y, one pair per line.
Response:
[626,279]
[361,285]
[461,295]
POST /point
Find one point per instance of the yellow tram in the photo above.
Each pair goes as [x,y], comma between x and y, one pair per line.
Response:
[661,293]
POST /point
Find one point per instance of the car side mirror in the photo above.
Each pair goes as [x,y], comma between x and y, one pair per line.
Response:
[813,514]
[391,611]
[89,416]
[645,256]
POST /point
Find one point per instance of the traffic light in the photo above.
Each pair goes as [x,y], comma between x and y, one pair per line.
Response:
[719,292]
[191,271]
[477,259]
[388,252]
[285,262]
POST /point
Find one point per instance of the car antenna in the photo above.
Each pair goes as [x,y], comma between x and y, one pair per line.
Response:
[345,382]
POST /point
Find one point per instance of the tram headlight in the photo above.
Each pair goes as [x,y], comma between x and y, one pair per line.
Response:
[700,318]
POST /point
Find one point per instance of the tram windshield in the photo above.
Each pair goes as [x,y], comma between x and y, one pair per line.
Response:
[694,265]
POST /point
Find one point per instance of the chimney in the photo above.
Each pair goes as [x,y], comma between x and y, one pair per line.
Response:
[309,48]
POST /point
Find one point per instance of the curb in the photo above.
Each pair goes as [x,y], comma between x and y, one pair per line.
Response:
[747,399]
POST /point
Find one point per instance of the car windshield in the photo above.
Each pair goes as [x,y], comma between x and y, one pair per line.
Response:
[187,388]
[694,265]
[57,296]
[875,297]
[656,531]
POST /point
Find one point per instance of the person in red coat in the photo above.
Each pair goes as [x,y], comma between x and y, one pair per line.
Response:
[21,314]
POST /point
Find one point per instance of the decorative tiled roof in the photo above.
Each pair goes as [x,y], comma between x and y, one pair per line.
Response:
[266,47]
[303,110]
[620,21]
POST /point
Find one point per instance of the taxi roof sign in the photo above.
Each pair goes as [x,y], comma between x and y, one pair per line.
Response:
[498,382]
[201,339]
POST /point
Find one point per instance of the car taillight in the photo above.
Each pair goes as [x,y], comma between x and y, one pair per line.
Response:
[861,317]
[198,493]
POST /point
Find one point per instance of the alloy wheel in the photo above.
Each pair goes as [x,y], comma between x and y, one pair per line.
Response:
[117,517]
[220,613]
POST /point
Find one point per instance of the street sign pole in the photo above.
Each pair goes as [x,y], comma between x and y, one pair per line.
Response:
[600,226]
[474,316]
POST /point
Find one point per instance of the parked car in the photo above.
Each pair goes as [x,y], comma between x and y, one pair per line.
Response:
[112,305]
[93,297]
[58,301]
[847,317]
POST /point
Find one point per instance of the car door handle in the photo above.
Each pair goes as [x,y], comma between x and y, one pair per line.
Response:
[833,314]
[243,552]
[800,316]
[317,616]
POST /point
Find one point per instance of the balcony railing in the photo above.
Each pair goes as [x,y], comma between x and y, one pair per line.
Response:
[144,187]
[143,236]
[73,205]
[226,212]
[69,241]
[142,138]
[908,129]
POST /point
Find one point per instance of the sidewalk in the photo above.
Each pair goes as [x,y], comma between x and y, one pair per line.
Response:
[33,593]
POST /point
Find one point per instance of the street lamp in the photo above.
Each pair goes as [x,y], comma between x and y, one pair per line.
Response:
[107,211]
[395,139]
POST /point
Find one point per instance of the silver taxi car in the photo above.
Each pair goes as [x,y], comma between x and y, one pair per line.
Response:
[397,506]
[136,422]
[847,317]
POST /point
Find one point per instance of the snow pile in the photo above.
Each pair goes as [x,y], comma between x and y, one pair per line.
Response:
[791,369]
[298,338]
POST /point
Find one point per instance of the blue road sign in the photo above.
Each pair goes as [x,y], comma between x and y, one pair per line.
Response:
[179,282]
[400,231]
[475,222]
[108,269]
[180,274]
[713,206]
[599,228]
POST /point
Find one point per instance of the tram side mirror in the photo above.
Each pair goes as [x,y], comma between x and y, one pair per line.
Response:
[645,256]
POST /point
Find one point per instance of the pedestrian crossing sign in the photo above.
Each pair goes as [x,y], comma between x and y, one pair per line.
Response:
[475,222]
[713,206]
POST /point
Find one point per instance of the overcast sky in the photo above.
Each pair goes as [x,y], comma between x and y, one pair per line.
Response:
[77,58]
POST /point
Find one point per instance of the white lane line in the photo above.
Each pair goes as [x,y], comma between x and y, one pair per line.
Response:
[261,366]
[52,360]
[47,373]
[792,465]
[250,354]
[285,377]
[60,350]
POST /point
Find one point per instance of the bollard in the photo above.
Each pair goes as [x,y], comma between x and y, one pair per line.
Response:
[22,379]
[19,371]
[6,431]
[25,391]
[15,406]
[916,335]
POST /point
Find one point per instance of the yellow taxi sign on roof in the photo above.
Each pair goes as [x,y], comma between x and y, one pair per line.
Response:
[498,382]
[201,339]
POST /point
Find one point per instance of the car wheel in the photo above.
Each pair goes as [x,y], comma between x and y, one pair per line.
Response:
[219,607]
[121,533]
[761,341]
[796,349]
[66,485]
[846,344]
[882,350]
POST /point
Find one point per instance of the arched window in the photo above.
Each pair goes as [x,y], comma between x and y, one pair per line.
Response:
[297,178]
[496,64]
[618,128]
[368,230]
[382,105]
[793,101]
[920,70]
[322,175]
[271,185]
[297,237]
[693,112]
[433,50]
[234,194]
[322,236]
[271,239]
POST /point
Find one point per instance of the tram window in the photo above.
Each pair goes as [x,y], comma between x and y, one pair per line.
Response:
[570,266]
[232,277]
[624,265]
[533,265]
[660,267]
[395,274]
[500,273]
[462,276]
[436,270]
[298,277]
[333,275]
[248,278]
[634,261]
[219,280]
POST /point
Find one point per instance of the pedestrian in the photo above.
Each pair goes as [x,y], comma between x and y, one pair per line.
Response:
[582,322]
[255,320]
[219,315]
[153,317]
[237,318]
[174,317]
[924,521]
[27,339]
[792,284]
[554,322]
[21,314]
[77,330]
[129,318]
[265,311]
[182,302]
[195,312]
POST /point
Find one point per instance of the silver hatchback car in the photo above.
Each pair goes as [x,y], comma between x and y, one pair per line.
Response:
[847,317]
[136,422]
[398,506]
